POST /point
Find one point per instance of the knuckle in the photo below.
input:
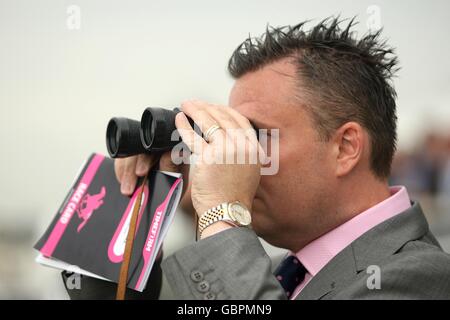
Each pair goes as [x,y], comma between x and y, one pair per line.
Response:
[202,115]
[188,107]
[223,118]
[184,106]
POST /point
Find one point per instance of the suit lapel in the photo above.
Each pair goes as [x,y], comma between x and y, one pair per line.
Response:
[380,242]
[339,269]
[390,236]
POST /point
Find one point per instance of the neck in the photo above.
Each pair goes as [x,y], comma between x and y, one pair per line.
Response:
[360,197]
[349,200]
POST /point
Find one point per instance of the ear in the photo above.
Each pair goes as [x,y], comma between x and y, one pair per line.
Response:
[349,141]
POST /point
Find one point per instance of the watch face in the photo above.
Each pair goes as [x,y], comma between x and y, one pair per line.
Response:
[240,214]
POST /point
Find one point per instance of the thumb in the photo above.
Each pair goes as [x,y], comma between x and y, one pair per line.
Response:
[166,164]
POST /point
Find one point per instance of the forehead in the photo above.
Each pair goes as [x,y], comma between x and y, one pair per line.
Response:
[270,94]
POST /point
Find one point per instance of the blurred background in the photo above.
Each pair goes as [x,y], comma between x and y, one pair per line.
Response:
[66,67]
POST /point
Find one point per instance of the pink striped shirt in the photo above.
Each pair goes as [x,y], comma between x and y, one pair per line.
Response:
[319,252]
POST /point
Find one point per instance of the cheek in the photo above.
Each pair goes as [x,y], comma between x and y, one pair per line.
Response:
[296,189]
[297,159]
[301,168]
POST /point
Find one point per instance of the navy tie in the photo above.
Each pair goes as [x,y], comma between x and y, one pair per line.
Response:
[290,273]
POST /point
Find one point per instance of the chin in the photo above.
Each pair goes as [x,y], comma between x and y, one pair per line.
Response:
[258,205]
[261,224]
[267,234]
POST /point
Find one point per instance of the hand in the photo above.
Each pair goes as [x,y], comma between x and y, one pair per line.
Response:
[129,169]
[213,183]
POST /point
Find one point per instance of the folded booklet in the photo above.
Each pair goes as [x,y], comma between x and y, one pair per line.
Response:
[88,233]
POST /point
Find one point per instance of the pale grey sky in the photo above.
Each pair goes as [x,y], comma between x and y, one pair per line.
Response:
[59,87]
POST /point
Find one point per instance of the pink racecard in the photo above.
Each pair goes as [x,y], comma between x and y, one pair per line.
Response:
[155,227]
[88,205]
[71,207]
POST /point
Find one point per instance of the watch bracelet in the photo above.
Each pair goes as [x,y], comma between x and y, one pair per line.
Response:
[211,216]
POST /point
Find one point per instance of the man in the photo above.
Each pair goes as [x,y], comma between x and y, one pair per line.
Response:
[350,236]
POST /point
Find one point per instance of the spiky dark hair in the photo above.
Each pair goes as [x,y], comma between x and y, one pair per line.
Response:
[343,78]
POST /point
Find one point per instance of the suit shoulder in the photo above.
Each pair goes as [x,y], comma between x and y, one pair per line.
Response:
[419,270]
[419,254]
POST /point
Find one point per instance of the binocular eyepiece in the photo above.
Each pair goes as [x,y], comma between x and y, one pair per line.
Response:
[126,137]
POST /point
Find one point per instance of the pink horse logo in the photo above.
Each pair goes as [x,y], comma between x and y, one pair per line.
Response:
[88,204]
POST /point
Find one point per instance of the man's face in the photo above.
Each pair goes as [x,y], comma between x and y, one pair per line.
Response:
[290,203]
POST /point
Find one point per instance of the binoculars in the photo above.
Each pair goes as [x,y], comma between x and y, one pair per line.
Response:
[126,137]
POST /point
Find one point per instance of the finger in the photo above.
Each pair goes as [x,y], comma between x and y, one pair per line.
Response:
[222,117]
[239,118]
[238,128]
[230,120]
[119,166]
[196,110]
[129,177]
[242,130]
[194,142]
[243,122]
[228,117]
[144,163]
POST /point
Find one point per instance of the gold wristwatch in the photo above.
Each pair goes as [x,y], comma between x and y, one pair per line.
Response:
[234,213]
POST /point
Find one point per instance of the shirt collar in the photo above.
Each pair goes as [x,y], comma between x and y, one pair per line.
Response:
[320,251]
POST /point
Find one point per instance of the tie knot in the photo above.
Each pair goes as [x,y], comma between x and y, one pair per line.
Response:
[290,273]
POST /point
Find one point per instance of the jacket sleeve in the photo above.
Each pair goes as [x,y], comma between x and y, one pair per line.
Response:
[229,265]
[96,289]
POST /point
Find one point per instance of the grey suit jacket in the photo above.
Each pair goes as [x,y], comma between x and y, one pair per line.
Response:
[233,265]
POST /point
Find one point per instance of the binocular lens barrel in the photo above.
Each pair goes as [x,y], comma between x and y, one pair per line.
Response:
[123,138]
[157,127]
